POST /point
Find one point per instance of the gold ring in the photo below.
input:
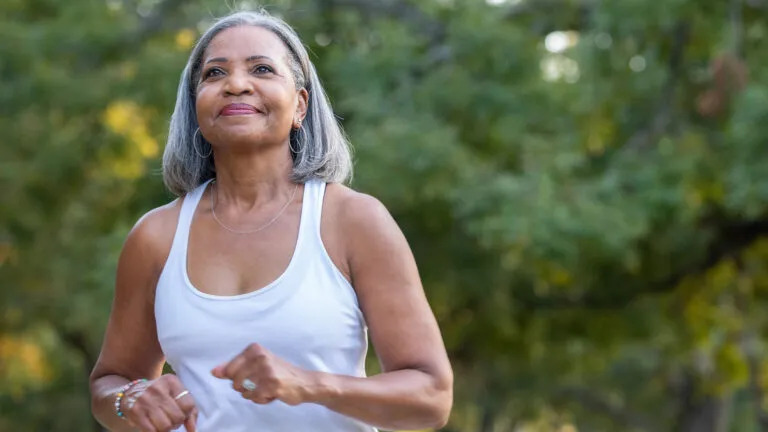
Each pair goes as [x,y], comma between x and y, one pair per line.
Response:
[181,395]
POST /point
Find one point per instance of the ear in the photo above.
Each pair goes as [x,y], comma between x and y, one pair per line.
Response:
[301,107]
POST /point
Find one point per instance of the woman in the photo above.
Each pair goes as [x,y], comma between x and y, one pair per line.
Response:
[259,284]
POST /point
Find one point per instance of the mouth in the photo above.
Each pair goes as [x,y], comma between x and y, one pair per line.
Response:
[236,109]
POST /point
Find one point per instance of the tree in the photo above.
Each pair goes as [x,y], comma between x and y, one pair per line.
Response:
[583,184]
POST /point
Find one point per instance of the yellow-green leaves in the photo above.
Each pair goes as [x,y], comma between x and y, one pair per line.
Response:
[129,121]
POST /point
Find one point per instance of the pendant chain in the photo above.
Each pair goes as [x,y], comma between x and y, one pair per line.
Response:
[280,213]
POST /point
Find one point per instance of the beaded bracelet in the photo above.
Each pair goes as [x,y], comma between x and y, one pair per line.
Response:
[121,394]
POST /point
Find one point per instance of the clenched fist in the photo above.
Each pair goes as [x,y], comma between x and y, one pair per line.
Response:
[161,405]
[262,377]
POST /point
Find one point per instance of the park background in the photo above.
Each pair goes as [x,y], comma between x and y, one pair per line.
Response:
[584,184]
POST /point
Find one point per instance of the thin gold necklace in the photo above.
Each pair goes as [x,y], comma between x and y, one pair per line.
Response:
[280,213]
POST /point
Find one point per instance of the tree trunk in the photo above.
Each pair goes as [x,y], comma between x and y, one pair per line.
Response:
[709,415]
[699,412]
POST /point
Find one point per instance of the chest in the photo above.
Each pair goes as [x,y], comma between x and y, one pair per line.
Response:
[310,318]
[223,263]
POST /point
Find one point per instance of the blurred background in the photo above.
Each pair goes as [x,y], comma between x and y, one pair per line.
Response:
[584,184]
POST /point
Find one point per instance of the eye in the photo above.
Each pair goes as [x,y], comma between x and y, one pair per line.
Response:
[262,69]
[212,72]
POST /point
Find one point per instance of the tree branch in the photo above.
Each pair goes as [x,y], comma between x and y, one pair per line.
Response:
[731,238]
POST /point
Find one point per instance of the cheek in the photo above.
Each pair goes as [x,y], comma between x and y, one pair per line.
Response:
[282,105]
[202,100]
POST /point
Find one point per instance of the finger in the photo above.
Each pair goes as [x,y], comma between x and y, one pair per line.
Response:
[145,425]
[235,367]
[186,403]
[136,415]
[140,416]
[251,352]
[265,391]
[218,371]
[246,372]
[262,396]
[160,420]
[173,387]
[191,423]
[174,413]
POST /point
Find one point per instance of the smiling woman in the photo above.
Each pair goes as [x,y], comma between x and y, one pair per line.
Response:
[243,122]
[260,284]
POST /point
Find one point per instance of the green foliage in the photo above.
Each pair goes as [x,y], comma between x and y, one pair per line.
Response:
[585,190]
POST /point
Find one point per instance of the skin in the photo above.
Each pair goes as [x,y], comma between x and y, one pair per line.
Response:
[253,166]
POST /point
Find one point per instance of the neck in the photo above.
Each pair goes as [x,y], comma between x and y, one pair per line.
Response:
[248,180]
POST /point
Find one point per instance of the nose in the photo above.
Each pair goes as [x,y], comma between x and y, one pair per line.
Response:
[238,83]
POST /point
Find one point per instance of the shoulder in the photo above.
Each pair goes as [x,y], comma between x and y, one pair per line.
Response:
[363,225]
[151,237]
[356,211]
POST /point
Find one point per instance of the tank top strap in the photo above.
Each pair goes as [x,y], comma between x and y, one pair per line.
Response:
[187,213]
[314,192]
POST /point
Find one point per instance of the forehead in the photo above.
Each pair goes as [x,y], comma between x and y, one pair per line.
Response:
[241,42]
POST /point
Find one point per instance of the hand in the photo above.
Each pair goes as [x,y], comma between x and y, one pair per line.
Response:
[275,378]
[153,407]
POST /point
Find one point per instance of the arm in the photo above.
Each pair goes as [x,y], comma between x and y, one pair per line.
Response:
[130,349]
[415,389]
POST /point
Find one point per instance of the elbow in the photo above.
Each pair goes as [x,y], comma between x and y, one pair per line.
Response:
[441,402]
[441,412]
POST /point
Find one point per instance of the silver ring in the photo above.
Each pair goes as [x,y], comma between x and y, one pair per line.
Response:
[248,385]
[181,395]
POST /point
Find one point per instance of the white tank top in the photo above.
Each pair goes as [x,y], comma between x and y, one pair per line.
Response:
[308,316]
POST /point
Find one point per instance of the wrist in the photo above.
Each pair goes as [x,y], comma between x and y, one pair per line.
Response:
[322,388]
[121,394]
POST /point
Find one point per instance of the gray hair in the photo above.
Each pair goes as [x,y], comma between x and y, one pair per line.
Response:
[320,149]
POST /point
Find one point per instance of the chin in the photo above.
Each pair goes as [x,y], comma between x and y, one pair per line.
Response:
[247,140]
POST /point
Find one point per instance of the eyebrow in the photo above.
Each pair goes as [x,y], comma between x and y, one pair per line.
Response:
[249,59]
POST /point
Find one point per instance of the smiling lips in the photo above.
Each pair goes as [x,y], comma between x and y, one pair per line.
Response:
[238,109]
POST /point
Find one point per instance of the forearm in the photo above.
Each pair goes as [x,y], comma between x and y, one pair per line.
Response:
[406,399]
[103,393]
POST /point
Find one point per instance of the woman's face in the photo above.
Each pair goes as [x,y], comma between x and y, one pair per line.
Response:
[246,95]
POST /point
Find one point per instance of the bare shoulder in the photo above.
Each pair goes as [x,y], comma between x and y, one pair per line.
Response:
[359,232]
[356,211]
[152,235]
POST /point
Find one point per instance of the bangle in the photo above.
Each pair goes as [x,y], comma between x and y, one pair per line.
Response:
[121,394]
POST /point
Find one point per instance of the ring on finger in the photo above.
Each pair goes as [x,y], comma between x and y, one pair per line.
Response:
[248,385]
[181,395]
